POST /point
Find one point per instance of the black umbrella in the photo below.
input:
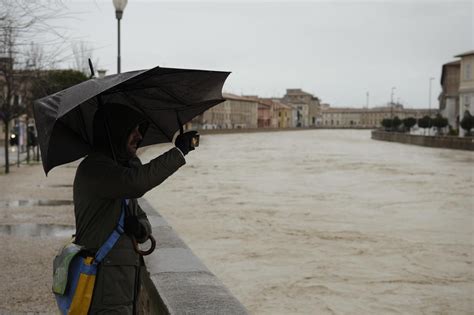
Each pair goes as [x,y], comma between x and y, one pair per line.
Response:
[168,97]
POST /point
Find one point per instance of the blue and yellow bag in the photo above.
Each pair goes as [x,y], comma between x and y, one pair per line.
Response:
[74,275]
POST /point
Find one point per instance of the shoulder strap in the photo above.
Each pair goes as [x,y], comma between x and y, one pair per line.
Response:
[113,238]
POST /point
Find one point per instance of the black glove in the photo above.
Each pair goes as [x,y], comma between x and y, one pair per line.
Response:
[133,227]
[184,141]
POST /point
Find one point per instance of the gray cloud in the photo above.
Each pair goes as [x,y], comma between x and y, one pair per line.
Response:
[336,50]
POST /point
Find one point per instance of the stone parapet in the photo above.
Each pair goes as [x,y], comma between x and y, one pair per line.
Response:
[447,142]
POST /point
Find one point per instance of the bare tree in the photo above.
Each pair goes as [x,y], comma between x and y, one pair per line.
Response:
[21,22]
[82,52]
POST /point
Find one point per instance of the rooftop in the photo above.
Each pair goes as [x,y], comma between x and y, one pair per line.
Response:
[467,53]
[297,92]
[235,97]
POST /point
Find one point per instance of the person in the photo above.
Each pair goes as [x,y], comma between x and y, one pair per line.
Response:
[110,175]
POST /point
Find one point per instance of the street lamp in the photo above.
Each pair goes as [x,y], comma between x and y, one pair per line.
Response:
[119,7]
[391,107]
[429,105]
[391,95]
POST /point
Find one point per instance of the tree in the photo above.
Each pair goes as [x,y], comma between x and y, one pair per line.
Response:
[425,122]
[467,122]
[386,123]
[82,52]
[52,81]
[439,122]
[21,23]
[408,123]
[396,122]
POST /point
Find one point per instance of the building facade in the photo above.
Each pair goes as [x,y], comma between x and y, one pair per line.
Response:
[338,117]
[307,107]
[235,112]
[449,96]
[466,86]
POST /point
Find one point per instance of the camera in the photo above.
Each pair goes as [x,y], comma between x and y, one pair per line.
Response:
[195,140]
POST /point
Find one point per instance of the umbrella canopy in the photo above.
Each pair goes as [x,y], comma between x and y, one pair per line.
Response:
[167,97]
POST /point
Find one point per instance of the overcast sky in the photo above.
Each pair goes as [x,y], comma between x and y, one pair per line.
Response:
[336,50]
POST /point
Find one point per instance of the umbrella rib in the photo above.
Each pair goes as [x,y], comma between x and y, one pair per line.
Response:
[84,125]
[135,103]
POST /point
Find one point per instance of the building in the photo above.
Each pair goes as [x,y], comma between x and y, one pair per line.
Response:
[281,114]
[466,86]
[235,112]
[307,107]
[339,117]
[265,115]
[449,96]
[342,117]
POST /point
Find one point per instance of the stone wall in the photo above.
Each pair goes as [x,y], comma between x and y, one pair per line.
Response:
[447,142]
[177,282]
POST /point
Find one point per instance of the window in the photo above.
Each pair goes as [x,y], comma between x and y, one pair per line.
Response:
[467,72]
[466,101]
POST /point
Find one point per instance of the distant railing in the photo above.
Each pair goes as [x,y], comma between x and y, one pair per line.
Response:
[177,281]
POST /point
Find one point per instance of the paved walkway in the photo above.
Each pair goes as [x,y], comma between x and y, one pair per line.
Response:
[27,244]
[13,156]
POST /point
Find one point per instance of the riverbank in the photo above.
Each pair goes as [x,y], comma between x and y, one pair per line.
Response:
[446,142]
[254,130]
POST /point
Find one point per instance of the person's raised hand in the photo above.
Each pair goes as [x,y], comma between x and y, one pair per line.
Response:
[185,141]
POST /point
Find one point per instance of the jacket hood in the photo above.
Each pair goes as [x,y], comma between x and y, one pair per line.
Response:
[121,120]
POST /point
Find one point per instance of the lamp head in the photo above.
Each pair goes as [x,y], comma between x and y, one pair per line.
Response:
[119,7]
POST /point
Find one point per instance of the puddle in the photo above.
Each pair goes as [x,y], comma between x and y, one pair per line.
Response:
[29,203]
[37,230]
[54,186]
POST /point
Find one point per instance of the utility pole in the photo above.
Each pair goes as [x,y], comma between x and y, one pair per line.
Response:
[391,107]
[429,98]
[367,100]
[429,105]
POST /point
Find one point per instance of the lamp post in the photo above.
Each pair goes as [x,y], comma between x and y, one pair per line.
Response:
[119,7]
[429,99]
[429,105]
[391,107]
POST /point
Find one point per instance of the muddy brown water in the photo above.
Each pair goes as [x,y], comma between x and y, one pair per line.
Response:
[328,221]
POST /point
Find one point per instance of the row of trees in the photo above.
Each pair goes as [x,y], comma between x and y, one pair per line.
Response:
[439,122]
[31,44]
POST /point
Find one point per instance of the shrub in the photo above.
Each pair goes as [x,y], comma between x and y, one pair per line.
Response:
[409,122]
[467,122]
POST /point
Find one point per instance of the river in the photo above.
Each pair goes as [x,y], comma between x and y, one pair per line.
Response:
[328,221]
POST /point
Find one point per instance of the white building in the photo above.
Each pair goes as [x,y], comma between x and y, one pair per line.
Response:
[466,86]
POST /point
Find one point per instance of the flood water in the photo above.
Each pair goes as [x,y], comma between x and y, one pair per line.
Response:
[328,221]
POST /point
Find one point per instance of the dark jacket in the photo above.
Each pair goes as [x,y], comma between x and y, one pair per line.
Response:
[100,186]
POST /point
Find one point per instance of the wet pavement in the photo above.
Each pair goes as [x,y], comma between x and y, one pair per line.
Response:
[32,203]
[37,230]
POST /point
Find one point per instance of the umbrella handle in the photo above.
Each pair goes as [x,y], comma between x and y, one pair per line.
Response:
[144,252]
